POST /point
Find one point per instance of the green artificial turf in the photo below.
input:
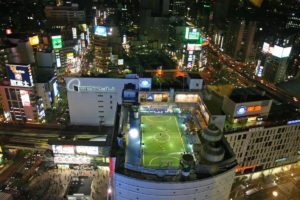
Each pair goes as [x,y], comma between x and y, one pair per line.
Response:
[162,143]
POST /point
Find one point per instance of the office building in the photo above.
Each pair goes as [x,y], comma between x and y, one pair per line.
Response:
[276,62]
[103,53]
[63,15]
[93,101]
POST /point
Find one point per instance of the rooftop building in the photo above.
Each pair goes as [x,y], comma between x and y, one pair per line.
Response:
[162,153]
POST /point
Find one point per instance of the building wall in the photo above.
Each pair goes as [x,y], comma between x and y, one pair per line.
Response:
[262,148]
[90,108]
[12,104]
[195,84]
[216,187]
[275,69]
[230,108]
[42,90]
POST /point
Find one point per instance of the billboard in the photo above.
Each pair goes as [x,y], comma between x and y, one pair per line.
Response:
[192,34]
[19,75]
[193,47]
[74,32]
[34,40]
[25,98]
[259,69]
[63,149]
[71,149]
[277,51]
[72,159]
[56,42]
[87,150]
[100,30]
[246,109]
[150,97]
[55,89]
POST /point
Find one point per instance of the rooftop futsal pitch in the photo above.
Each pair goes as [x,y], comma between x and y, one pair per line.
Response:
[162,143]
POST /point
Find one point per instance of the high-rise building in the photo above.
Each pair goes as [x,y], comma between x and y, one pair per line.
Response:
[238,40]
[18,97]
[102,53]
[63,15]
[93,101]
[178,7]
[276,62]
[158,8]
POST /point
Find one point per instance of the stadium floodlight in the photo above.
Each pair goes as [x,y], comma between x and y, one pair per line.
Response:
[133,133]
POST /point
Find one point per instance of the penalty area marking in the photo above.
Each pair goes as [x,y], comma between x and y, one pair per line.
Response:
[151,120]
[167,158]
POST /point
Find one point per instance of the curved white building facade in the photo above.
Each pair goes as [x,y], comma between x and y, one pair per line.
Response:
[213,188]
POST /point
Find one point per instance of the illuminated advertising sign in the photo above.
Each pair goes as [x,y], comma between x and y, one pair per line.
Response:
[100,30]
[120,61]
[87,150]
[193,47]
[246,109]
[266,48]
[75,85]
[259,69]
[19,75]
[297,121]
[56,42]
[277,51]
[150,97]
[187,98]
[145,83]
[74,32]
[34,40]
[241,110]
[83,27]
[55,89]
[72,159]
[70,149]
[25,98]
[192,34]
[70,55]
[40,110]
[286,52]
[63,149]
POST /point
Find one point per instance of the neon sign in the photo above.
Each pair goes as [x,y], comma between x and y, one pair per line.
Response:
[243,109]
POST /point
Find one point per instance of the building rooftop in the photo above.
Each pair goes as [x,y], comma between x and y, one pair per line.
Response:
[213,102]
[241,95]
[195,75]
[158,145]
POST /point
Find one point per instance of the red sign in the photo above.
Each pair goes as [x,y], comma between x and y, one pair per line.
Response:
[253,108]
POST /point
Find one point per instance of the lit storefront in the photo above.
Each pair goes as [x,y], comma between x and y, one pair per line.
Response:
[66,156]
[186,98]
